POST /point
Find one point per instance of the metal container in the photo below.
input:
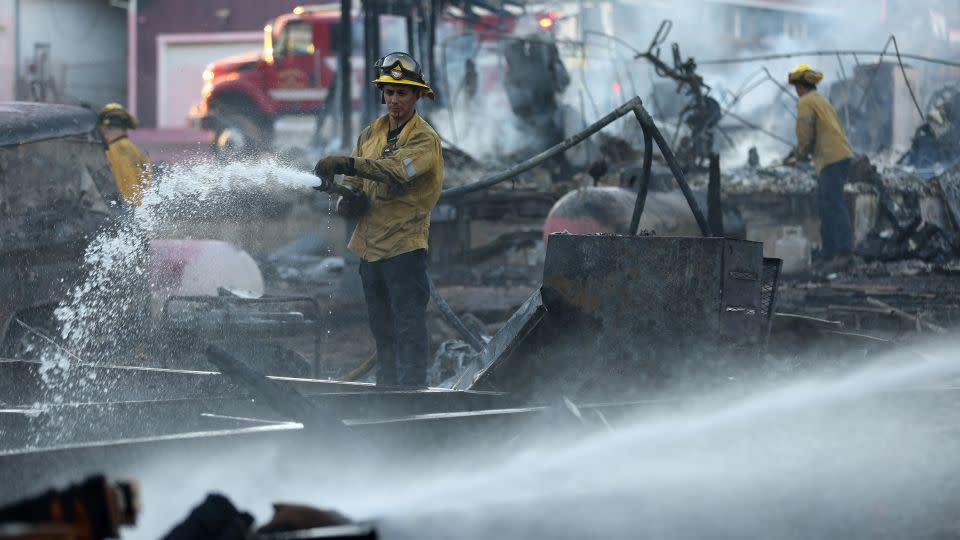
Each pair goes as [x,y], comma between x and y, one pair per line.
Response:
[634,315]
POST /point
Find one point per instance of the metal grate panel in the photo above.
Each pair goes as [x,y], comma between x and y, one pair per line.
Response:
[768,288]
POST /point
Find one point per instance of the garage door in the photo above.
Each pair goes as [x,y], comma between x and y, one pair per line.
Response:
[181,59]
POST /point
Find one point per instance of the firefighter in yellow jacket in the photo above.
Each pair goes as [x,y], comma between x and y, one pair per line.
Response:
[131,167]
[397,170]
[820,136]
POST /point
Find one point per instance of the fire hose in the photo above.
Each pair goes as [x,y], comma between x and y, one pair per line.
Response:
[329,185]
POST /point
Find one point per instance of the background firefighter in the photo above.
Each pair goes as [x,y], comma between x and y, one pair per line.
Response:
[397,172]
[131,167]
[535,78]
[820,134]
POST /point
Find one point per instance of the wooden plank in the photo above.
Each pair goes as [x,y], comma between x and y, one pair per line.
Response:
[906,316]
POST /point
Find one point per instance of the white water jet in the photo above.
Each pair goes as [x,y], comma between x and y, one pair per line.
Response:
[107,313]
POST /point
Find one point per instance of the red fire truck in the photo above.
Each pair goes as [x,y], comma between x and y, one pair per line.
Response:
[243,95]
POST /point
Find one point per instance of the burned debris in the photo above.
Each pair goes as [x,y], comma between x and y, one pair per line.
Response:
[701,114]
[935,140]
[596,270]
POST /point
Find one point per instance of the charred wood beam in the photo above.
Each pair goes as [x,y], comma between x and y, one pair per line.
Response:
[906,316]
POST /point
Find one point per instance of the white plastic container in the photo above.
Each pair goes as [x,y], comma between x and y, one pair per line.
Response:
[794,248]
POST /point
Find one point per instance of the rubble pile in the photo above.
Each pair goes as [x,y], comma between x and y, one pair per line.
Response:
[910,222]
[906,299]
[307,259]
[461,169]
[451,361]
[776,179]
[903,215]
[936,140]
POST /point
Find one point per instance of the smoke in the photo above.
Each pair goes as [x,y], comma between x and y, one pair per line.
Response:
[484,126]
[863,455]
[478,117]
[599,44]
[713,30]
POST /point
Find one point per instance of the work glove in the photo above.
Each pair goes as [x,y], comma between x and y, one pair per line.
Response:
[353,206]
[790,160]
[326,182]
[331,165]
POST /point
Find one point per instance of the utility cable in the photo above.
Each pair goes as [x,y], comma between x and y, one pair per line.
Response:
[831,52]
[892,40]
[906,81]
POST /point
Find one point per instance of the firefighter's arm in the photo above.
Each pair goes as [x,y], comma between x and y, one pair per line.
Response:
[414,159]
[806,130]
[353,181]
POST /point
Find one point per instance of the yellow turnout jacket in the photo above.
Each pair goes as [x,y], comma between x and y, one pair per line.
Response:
[819,131]
[397,221]
[131,169]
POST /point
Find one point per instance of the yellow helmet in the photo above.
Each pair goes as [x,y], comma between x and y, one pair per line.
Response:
[804,73]
[116,115]
[400,68]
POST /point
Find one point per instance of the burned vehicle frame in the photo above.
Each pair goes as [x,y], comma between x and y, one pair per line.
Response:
[56,192]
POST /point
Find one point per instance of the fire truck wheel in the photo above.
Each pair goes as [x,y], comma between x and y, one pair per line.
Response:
[240,136]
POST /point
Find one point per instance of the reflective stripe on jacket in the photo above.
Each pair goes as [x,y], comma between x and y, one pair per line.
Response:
[819,131]
[131,169]
[396,223]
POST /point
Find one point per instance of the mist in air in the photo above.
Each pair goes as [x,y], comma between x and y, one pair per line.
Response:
[865,455]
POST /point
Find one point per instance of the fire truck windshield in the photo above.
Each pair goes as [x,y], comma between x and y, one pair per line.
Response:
[296,39]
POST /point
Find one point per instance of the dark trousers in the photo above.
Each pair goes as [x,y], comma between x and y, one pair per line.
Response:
[835,233]
[397,292]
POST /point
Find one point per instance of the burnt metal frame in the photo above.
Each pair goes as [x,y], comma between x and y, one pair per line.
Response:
[227,301]
[651,134]
[768,291]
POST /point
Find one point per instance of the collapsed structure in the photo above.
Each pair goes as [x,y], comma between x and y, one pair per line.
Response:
[671,314]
